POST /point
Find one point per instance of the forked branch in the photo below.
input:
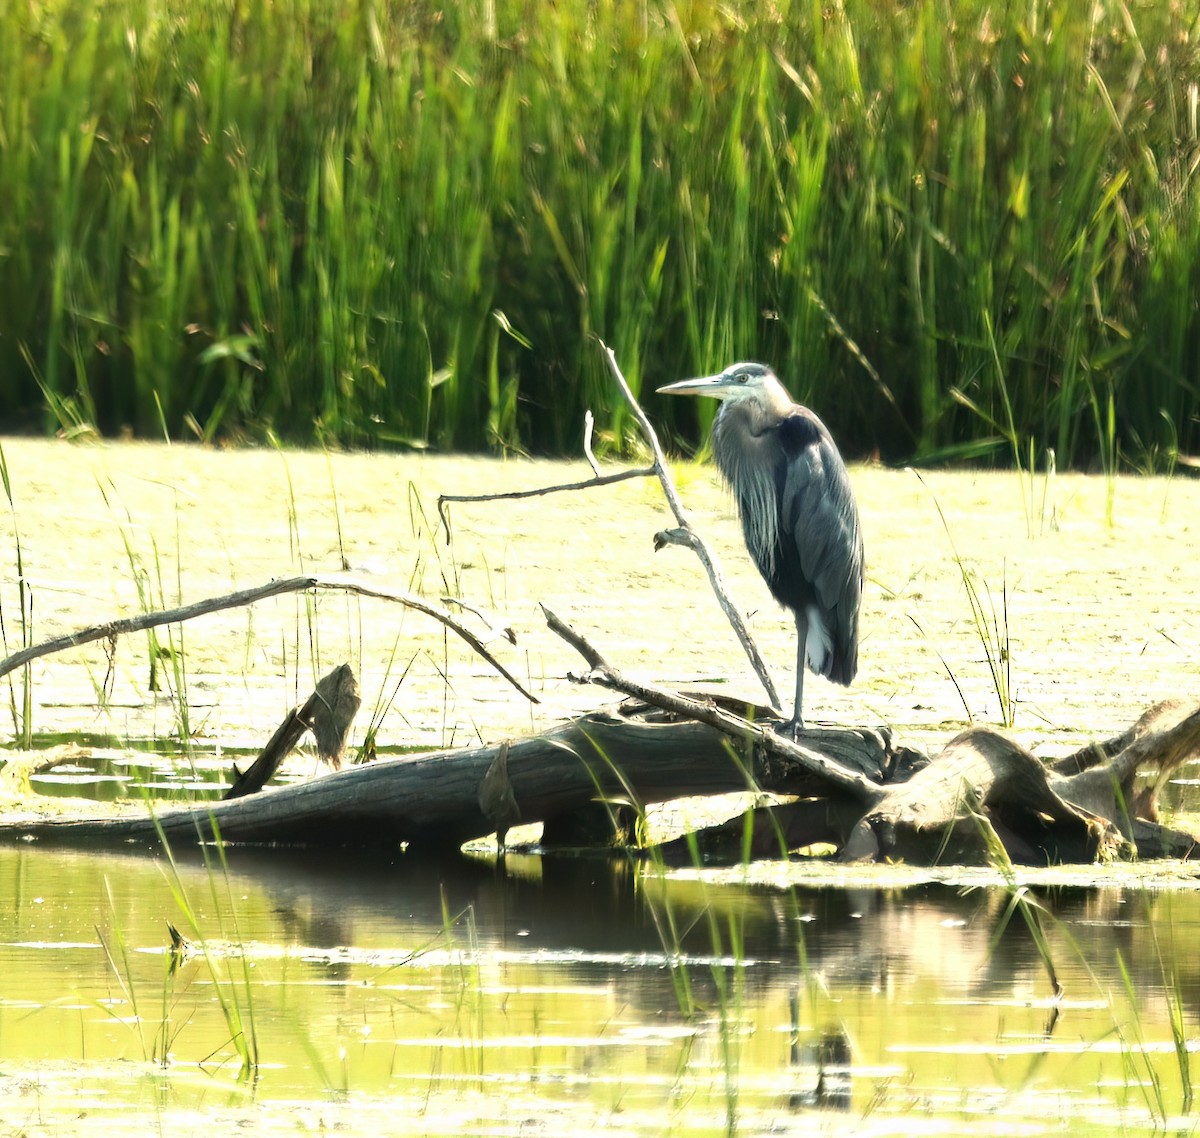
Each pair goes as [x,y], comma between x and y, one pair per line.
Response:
[683,533]
[833,774]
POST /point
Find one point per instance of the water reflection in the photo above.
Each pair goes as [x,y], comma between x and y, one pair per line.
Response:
[107,774]
[594,979]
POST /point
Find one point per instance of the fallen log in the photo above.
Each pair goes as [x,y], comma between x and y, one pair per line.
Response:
[983,792]
[434,800]
[983,787]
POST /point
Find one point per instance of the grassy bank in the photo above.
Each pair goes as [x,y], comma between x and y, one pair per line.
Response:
[949,225]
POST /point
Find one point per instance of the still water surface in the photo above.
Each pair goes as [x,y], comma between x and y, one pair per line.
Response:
[545,994]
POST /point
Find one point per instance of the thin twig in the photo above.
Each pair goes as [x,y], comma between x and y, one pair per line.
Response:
[690,537]
[244,597]
[574,639]
[494,632]
[605,675]
[539,491]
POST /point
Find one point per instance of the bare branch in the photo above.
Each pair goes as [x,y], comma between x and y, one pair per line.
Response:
[540,491]
[114,628]
[683,535]
[708,713]
[686,535]
[243,597]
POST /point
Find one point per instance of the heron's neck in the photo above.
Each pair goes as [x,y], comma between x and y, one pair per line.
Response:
[776,403]
[759,414]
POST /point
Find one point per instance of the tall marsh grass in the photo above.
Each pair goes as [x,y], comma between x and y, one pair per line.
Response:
[393,222]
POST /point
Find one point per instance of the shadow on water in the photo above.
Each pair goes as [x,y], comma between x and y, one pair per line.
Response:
[611,909]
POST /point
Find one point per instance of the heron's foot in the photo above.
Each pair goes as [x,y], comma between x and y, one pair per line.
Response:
[791,729]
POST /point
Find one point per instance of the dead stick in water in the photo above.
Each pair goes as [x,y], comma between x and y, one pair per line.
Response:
[684,534]
[702,711]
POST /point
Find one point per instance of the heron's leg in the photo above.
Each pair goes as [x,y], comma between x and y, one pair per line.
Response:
[795,725]
[801,665]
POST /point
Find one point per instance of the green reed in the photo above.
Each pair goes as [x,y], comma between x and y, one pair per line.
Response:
[234,990]
[22,717]
[385,222]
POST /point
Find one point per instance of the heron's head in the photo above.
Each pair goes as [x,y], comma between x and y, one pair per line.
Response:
[741,382]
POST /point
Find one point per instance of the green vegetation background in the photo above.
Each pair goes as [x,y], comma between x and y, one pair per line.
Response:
[955,228]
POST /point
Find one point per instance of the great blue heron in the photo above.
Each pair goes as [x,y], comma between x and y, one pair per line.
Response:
[798,513]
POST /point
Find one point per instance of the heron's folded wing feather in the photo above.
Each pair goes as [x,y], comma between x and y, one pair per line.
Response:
[818,512]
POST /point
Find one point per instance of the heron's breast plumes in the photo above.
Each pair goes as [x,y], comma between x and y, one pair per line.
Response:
[753,483]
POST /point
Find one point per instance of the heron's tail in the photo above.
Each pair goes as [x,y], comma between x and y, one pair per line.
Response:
[830,655]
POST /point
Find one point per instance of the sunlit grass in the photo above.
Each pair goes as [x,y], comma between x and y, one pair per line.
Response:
[389,223]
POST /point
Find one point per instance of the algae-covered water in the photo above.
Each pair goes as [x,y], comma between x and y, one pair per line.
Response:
[1097,618]
[542,995]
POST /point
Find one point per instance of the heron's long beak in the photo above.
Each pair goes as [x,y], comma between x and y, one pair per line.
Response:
[715,385]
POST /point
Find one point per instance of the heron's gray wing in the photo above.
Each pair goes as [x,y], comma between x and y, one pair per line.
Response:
[818,513]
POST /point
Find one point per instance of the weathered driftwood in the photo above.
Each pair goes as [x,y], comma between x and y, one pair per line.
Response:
[852,789]
[985,793]
[328,713]
[1039,813]
[434,800]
